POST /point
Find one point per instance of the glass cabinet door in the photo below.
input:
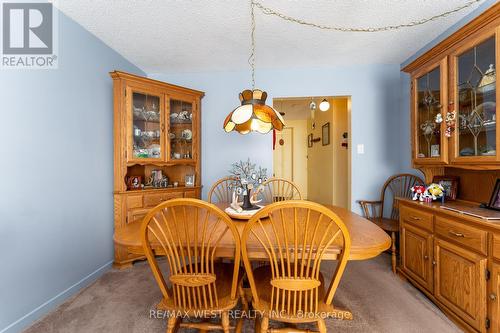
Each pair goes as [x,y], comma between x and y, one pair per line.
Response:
[476,101]
[429,143]
[180,134]
[146,126]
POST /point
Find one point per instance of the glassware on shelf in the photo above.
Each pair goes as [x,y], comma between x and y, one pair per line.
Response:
[477,100]
[146,123]
[180,133]
[428,111]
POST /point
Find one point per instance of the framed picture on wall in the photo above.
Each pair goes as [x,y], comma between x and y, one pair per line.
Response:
[325,133]
[450,185]
[310,140]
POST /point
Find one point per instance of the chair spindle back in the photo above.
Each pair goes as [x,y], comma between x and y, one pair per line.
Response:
[399,186]
[295,236]
[279,189]
[221,191]
[187,232]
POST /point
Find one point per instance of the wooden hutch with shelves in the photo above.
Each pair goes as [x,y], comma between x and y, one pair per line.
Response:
[156,148]
[452,257]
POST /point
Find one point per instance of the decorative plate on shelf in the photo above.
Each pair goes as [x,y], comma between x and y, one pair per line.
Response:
[187,134]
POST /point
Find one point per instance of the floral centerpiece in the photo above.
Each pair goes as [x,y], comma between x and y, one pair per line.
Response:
[246,178]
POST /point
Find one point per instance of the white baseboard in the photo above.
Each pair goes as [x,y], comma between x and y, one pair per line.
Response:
[32,316]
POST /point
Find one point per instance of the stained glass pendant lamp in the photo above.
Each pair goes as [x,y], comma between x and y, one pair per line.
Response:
[253,115]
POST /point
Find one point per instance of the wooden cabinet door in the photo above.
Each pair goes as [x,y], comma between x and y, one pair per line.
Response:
[429,94]
[474,93]
[183,130]
[145,139]
[494,298]
[416,251]
[460,282]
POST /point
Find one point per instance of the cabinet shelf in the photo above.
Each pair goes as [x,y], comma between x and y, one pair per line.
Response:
[146,121]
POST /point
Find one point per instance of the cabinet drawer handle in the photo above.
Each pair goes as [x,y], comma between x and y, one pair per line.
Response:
[457,234]
[493,296]
[426,257]
[434,262]
[415,218]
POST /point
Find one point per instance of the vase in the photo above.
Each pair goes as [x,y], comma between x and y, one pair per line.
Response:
[247,205]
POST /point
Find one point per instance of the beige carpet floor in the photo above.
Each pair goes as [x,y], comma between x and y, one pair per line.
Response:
[120,301]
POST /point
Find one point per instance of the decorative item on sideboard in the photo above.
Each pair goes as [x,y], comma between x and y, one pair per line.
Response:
[134,183]
[494,202]
[189,180]
[428,194]
[449,184]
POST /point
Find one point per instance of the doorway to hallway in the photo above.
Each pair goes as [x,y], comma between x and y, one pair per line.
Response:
[314,149]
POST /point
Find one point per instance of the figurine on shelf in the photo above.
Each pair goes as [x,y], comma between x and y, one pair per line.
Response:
[418,192]
[450,123]
[435,191]
[426,197]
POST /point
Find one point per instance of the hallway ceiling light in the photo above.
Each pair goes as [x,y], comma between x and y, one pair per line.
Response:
[253,115]
[324,105]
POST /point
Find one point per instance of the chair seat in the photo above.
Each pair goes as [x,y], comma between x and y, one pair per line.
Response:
[263,276]
[386,224]
[223,283]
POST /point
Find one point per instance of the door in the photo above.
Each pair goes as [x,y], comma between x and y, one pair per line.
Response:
[416,254]
[283,154]
[145,125]
[493,297]
[182,134]
[429,94]
[460,282]
[473,71]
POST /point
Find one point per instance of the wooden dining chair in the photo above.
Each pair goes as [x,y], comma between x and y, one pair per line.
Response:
[397,186]
[187,232]
[278,189]
[221,191]
[294,236]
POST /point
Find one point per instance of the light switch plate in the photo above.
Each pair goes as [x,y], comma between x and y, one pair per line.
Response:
[360,148]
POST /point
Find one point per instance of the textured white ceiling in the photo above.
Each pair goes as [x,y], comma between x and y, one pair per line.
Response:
[167,36]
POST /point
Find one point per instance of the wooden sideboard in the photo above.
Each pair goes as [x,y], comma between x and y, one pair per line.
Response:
[156,130]
[455,260]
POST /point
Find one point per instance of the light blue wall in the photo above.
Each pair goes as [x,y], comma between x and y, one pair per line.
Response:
[375,119]
[405,153]
[56,207]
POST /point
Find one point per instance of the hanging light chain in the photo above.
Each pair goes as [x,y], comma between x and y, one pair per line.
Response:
[251,59]
[268,11]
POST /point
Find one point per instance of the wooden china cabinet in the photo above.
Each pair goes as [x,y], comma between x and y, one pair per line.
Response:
[457,80]
[452,257]
[156,148]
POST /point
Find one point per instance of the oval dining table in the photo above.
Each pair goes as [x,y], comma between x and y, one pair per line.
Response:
[367,239]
